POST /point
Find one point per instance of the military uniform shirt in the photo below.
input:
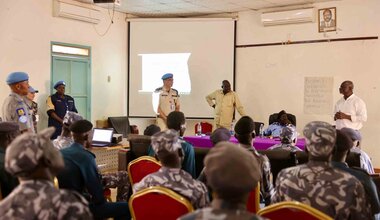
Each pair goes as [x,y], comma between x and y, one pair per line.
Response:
[39,199]
[330,190]
[168,100]
[180,182]
[16,110]
[225,105]
[288,147]
[222,210]
[62,142]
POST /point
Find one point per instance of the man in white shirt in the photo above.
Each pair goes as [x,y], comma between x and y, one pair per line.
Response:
[350,111]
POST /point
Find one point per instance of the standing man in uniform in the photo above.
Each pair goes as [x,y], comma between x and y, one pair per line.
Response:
[224,101]
[57,106]
[167,100]
[14,106]
[350,111]
[32,105]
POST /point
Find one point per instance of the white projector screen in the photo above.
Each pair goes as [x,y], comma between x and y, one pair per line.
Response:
[199,53]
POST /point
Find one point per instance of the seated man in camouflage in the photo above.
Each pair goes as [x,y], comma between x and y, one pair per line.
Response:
[320,185]
[8,132]
[231,184]
[176,120]
[81,174]
[33,159]
[66,139]
[168,150]
[244,134]
[288,137]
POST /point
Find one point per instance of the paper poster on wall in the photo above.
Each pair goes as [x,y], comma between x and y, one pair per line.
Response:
[318,95]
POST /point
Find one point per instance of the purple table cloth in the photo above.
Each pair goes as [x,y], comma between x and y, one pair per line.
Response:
[258,143]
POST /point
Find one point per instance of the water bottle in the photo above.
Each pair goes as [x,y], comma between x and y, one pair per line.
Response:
[232,128]
[261,130]
[199,129]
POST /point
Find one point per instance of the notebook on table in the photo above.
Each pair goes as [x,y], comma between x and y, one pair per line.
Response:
[102,137]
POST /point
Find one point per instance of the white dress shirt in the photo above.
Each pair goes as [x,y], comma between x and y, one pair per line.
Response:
[353,106]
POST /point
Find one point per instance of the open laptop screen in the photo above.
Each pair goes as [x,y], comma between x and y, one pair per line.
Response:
[102,135]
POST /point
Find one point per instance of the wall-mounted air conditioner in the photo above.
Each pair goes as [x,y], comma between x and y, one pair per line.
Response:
[288,17]
[76,11]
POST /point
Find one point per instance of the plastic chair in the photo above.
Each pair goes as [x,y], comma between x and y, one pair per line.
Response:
[206,128]
[253,202]
[141,167]
[158,203]
[292,210]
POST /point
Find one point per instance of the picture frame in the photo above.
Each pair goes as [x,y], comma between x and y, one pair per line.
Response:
[327,19]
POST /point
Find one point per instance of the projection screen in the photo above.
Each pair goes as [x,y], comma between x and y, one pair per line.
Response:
[199,53]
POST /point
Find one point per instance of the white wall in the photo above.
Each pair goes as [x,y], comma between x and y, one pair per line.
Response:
[27,29]
[271,78]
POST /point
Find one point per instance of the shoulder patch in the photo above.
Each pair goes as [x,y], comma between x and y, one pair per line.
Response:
[20,112]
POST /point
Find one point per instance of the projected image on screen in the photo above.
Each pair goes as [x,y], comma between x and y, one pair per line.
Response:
[156,65]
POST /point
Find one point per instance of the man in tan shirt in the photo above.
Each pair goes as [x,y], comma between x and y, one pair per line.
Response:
[224,101]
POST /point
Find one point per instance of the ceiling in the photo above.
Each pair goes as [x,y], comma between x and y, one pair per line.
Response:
[191,8]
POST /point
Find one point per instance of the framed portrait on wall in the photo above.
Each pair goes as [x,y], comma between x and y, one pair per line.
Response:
[327,19]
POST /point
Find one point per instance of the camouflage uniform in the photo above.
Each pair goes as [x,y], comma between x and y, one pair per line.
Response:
[39,199]
[62,142]
[288,147]
[120,181]
[16,110]
[222,210]
[318,184]
[178,181]
[266,185]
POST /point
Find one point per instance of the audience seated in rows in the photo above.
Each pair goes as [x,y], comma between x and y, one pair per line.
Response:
[81,174]
[275,128]
[65,139]
[365,160]
[341,150]
[244,134]
[288,137]
[33,159]
[318,184]
[176,120]
[8,132]
[232,173]
[167,148]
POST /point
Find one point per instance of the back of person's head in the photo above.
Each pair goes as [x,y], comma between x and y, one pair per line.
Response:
[176,120]
[167,148]
[8,132]
[151,130]
[288,135]
[80,130]
[31,151]
[220,134]
[320,140]
[244,130]
[342,146]
[231,171]
[354,135]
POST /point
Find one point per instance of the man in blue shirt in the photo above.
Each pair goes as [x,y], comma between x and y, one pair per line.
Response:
[81,174]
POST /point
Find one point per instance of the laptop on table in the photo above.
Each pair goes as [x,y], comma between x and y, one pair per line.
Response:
[102,137]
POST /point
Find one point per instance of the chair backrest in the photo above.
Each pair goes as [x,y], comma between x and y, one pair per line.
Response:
[138,145]
[206,128]
[279,159]
[292,210]
[353,158]
[291,117]
[141,167]
[158,203]
[120,125]
[253,202]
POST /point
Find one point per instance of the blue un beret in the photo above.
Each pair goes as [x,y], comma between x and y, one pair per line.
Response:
[16,77]
[61,82]
[167,76]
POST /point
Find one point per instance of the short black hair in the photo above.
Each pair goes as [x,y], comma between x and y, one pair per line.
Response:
[175,120]
[342,146]
[151,130]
